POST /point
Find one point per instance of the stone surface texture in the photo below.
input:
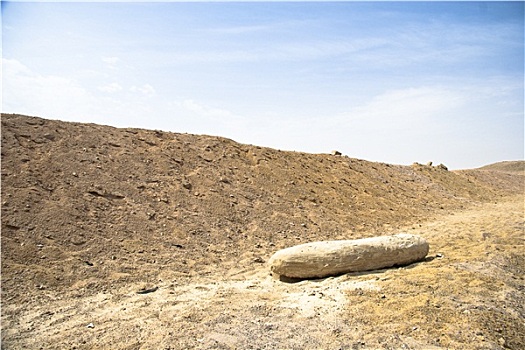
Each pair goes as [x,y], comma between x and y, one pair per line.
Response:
[328,258]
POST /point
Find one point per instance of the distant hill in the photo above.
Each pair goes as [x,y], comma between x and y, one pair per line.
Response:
[512,166]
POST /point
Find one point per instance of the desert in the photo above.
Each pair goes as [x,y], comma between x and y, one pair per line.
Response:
[121,238]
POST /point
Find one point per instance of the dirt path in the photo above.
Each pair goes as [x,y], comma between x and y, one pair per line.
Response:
[467,295]
[470,296]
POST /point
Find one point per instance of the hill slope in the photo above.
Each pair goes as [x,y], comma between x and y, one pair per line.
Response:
[88,209]
[513,166]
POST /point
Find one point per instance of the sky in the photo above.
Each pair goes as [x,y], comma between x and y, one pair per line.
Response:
[394,82]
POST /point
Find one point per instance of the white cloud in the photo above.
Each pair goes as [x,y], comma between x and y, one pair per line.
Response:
[25,91]
[145,89]
[405,109]
[111,88]
[189,115]
[241,29]
[59,97]
[396,126]
[202,110]
[110,60]
[296,51]
[14,67]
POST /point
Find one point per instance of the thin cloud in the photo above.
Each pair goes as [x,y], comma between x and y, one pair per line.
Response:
[296,51]
[203,110]
[51,96]
[404,109]
[110,60]
[145,89]
[241,29]
[111,88]
[14,67]
[272,27]
[25,91]
[440,43]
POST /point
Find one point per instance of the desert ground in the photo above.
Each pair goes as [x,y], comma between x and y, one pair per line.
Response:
[146,239]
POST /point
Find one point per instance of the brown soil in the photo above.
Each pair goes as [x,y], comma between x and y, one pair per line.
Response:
[140,239]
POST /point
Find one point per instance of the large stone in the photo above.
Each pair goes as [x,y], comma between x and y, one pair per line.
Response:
[329,258]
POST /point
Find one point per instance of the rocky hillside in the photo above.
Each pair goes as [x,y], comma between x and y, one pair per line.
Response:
[87,207]
[108,194]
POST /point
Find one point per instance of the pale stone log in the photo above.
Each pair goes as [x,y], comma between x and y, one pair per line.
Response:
[329,258]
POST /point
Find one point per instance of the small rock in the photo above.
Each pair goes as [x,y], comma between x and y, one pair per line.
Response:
[91,325]
[268,326]
[336,153]
[148,290]
[50,137]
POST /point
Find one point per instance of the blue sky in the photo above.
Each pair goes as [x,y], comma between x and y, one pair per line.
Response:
[396,82]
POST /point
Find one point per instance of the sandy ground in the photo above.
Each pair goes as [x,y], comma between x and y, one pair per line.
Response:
[468,294]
